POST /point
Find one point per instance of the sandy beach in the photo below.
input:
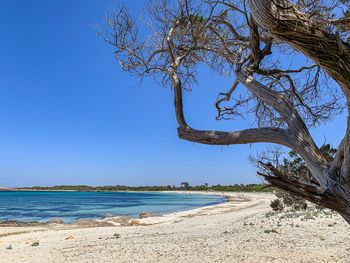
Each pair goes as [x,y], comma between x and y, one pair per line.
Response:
[241,230]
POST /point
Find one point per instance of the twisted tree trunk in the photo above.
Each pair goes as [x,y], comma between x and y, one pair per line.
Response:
[284,21]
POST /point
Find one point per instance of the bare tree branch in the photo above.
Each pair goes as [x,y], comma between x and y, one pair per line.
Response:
[255,41]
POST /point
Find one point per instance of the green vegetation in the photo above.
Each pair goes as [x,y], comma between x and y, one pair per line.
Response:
[310,213]
[184,186]
[295,167]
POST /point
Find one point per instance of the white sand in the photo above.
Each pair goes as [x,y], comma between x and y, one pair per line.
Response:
[237,231]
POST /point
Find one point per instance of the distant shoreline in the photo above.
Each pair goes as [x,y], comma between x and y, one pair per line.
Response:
[36,190]
[167,188]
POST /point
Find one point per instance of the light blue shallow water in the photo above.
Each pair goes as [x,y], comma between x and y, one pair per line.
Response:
[70,206]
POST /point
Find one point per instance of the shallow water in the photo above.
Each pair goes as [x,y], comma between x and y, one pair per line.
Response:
[41,206]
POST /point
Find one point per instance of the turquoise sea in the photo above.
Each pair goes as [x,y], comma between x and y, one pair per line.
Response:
[40,206]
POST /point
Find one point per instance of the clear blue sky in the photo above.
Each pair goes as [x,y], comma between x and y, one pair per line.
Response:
[69,116]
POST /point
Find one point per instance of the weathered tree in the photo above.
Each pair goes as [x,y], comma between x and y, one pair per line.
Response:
[291,166]
[246,40]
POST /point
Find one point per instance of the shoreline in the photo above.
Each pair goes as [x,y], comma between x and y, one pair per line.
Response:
[115,220]
[238,198]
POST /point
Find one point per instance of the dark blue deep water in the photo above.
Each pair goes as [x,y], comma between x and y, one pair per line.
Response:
[70,206]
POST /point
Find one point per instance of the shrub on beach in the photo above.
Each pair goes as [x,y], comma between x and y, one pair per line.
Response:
[276,205]
[293,167]
[290,200]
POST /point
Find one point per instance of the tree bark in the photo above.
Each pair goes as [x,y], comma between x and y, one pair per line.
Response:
[287,23]
[299,137]
[290,25]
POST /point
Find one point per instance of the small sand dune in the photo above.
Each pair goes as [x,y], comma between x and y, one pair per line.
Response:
[241,230]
